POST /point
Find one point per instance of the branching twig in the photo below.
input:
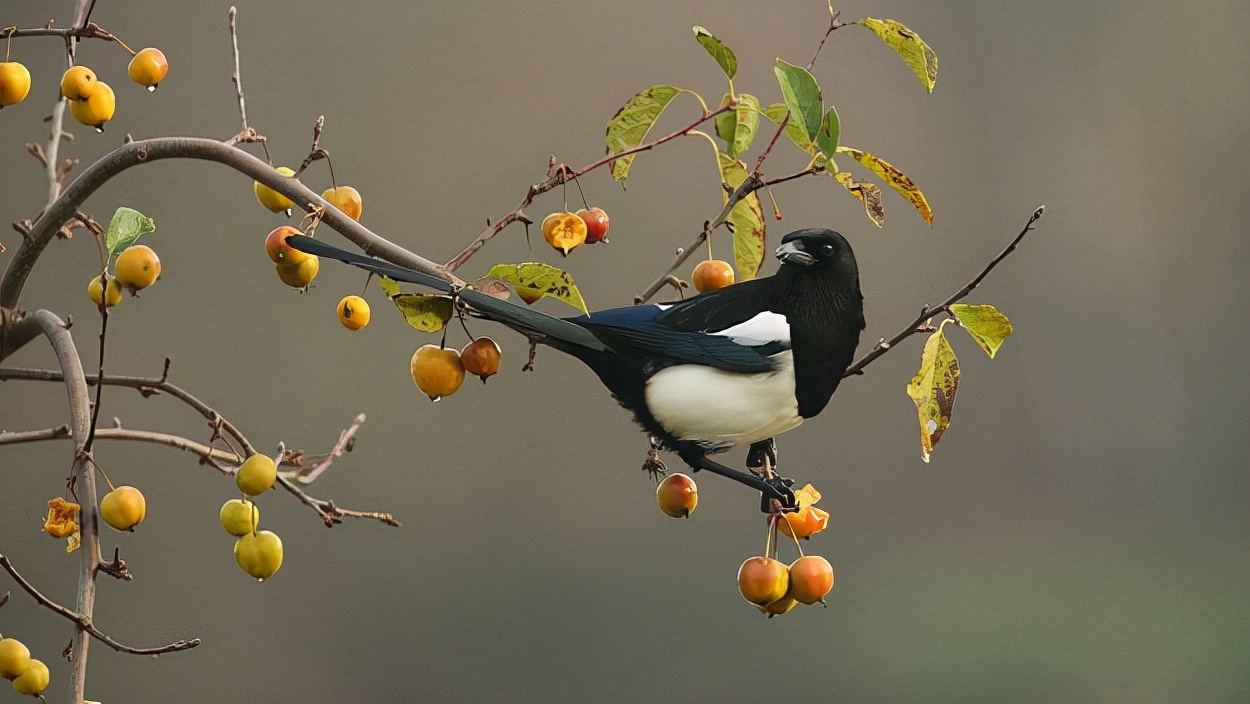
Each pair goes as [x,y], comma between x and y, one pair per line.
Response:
[311,467]
[326,509]
[84,622]
[926,312]
[558,174]
[150,150]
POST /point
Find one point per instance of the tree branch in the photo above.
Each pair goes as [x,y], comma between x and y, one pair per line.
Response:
[326,509]
[84,622]
[926,312]
[175,441]
[82,478]
[150,150]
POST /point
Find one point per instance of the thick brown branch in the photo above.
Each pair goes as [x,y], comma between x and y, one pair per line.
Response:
[147,151]
[918,324]
[84,622]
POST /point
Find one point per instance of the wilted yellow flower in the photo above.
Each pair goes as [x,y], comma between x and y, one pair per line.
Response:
[808,520]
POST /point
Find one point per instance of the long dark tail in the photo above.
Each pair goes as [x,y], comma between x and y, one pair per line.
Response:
[520,318]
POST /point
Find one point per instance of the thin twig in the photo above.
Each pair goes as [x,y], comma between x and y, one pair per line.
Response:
[238,74]
[312,467]
[225,457]
[84,622]
[325,509]
[559,174]
[918,325]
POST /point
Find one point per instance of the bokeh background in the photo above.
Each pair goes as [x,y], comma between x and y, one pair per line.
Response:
[1080,535]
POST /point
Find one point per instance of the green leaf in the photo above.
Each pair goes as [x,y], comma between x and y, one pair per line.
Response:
[629,127]
[389,285]
[801,96]
[897,180]
[909,46]
[797,134]
[534,280]
[427,312]
[723,54]
[933,390]
[827,135]
[984,323]
[126,227]
[868,193]
[747,219]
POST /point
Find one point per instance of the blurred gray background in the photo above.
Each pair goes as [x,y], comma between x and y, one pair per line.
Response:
[1081,534]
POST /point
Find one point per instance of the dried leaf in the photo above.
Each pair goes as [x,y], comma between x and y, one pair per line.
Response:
[747,219]
[909,46]
[534,280]
[897,180]
[493,287]
[933,390]
[62,522]
[629,127]
[984,323]
[724,55]
[126,227]
[868,193]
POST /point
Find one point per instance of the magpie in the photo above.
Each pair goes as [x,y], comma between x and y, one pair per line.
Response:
[735,366]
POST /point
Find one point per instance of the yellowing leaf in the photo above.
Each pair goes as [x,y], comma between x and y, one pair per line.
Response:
[909,46]
[747,120]
[868,193]
[723,54]
[389,285]
[629,127]
[534,280]
[747,219]
[897,180]
[933,390]
[427,312]
[126,227]
[62,522]
[797,134]
[986,325]
[801,96]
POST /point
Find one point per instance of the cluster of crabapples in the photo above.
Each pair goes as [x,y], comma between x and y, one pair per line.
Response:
[764,581]
[136,268]
[258,552]
[92,101]
[439,371]
[566,231]
[29,676]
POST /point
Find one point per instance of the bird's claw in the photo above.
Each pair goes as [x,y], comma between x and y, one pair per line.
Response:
[778,496]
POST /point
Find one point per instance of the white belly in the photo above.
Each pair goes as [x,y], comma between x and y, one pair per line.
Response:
[710,405]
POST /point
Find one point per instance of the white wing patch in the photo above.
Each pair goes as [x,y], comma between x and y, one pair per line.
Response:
[762,329]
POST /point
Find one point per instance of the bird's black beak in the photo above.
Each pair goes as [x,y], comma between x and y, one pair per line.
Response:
[791,254]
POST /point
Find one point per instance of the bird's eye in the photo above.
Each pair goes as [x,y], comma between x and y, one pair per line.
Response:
[826,250]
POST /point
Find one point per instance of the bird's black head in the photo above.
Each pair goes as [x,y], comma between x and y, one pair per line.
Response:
[817,248]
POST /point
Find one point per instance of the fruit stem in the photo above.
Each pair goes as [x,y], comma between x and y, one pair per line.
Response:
[102,473]
[581,193]
[123,44]
[797,545]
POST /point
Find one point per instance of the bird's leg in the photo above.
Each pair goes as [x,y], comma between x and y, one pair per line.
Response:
[762,457]
[771,489]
